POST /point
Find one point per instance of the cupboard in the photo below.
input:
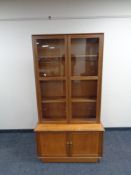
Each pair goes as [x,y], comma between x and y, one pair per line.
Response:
[68,74]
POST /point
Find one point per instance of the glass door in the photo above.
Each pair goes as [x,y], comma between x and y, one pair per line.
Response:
[84,58]
[52,75]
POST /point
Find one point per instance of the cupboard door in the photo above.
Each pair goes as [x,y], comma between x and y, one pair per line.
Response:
[52,144]
[85,65]
[51,56]
[86,144]
[53,90]
[54,111]
[54,103]
[83,100]
[82,89]
[51,70]
[84,110]
[84,56]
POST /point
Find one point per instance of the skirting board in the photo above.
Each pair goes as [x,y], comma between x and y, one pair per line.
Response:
[32,130]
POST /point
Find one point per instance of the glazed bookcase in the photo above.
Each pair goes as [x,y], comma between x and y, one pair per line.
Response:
[68,75]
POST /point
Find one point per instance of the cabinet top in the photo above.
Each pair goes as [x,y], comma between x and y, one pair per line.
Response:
[35,36]
[69,127]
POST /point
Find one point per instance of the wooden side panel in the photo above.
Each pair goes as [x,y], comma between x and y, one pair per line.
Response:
[86,144]
[51,144]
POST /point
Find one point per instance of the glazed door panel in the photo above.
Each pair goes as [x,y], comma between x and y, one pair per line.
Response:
[51,57]
[84,89]
[84,111]
[68,77]
[85,56]
[51,74]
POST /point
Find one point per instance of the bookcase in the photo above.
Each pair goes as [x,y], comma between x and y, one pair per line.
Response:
[68,75]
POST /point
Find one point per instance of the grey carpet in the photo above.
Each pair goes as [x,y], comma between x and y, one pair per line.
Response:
[18,157]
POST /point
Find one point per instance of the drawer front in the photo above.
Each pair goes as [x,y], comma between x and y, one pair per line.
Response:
[51,144]
[86,144]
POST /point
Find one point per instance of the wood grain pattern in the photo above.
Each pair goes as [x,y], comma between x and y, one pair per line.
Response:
[70,159]
[52,144]
[69,144]
[99,85]
[87,46]
[68,76]
[85,144]
[69,127]
[84,78]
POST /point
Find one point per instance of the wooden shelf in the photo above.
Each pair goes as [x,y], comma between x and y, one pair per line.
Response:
[54,101]
[81,120]
[51,78]
[52,61]
[50,57]
[43,71]
[94,55]
[84,77]
[82,100]
[69,127]
[88,59]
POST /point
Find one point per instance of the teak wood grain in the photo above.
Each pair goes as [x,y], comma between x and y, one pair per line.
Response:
[69,127]
[68,77]
[67,41]
[69,144]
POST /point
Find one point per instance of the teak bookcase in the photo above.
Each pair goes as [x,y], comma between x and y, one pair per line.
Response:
[68,74]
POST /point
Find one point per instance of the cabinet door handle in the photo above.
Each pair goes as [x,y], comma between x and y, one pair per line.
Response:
[68,143]
[71,143]
[69,147]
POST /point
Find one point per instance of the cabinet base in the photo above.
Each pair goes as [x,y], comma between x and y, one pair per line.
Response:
[70,159]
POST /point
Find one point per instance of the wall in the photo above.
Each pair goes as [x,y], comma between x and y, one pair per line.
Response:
[17,86]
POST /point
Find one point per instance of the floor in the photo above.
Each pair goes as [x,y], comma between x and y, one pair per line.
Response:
[18,156]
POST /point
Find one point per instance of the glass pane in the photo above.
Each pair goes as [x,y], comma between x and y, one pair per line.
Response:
[84,89]
[51,57]
[84,57]
[54,111]
[84,111]
[53,90]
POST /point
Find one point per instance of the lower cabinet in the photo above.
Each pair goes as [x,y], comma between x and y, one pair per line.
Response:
[86,144]
[67,146]
[52,144]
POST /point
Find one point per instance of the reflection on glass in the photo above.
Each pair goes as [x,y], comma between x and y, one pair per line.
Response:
[84,57]
[53,90]
[54,111]
[84,89]
[51,57]
[84,111]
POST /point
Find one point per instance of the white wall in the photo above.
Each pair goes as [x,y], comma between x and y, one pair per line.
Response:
[17,86]
[39,8]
